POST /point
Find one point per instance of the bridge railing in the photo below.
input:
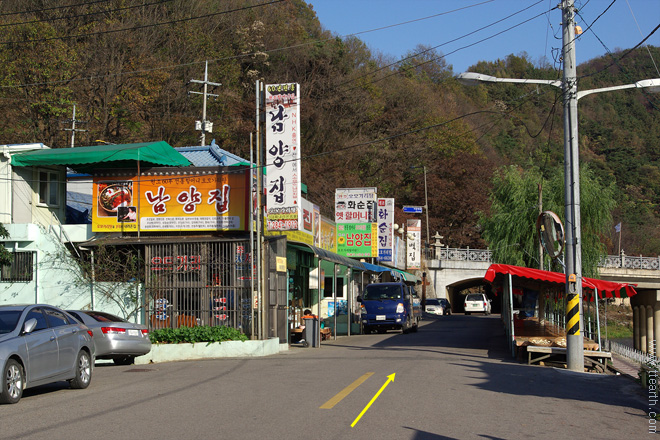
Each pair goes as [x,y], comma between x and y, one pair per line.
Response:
[630,262]
[485,255]
[456,254]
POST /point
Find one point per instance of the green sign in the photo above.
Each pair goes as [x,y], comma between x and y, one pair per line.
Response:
[357,240]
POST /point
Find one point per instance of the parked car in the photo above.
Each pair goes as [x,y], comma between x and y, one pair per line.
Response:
[438,306]
[389,306]
[477,302]
[114,337]
[41,344]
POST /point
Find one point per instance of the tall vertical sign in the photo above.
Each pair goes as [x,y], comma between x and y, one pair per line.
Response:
[385,222]
[414,233]
[283,156]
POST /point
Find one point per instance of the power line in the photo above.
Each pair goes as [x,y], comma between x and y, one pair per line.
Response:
[145,26]
[89,14]
[6,14]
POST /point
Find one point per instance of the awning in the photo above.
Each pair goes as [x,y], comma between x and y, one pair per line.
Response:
[375,268]
[607,289]
[88,159]
[407,276]
[327,255]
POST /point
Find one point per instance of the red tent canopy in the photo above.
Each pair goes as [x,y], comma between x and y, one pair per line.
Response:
[606,289]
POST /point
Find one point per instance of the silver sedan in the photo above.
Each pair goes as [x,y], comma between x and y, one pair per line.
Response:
[115,338]
[41,344]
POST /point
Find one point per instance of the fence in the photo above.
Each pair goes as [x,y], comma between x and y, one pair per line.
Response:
[629,352]
[199,283]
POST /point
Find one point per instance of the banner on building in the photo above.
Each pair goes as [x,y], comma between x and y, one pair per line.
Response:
[282,181]
[328,235]
[355,205]
[414,237]
[385,222]
[206,201]
[357,240]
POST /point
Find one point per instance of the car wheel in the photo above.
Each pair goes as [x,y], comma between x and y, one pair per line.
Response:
[83,371]
[124,360]
[13,381]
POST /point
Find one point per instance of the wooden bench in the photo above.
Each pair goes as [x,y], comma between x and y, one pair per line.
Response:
[596,359]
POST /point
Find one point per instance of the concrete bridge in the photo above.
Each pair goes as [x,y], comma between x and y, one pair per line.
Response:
[451,271]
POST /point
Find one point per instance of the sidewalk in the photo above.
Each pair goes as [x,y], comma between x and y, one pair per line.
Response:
[625,366]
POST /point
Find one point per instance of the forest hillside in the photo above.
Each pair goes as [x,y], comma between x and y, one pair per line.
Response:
[367,120]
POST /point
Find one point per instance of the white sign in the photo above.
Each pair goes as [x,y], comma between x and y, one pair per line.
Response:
[385,222]
[414,232]
[355,205]
[282,182]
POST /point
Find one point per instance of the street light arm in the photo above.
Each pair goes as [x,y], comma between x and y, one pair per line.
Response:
[472,79]
[652,84]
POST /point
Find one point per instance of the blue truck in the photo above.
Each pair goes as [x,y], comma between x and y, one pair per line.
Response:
[389,306]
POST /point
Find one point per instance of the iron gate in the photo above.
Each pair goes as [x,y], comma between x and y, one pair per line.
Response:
[189,284]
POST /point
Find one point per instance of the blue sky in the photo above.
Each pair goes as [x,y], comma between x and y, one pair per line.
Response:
[618,28]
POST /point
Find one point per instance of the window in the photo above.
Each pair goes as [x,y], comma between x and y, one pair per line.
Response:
[49,188]
[327,291]
[41,319]
[21,268]
[56,318]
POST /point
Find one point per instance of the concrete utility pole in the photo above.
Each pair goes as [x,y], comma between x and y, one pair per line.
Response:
[204,125]
[574,339]
[73,128]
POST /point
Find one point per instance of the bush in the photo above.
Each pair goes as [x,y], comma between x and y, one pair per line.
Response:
[196,334]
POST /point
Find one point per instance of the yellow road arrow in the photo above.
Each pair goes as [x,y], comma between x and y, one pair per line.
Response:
[390,378]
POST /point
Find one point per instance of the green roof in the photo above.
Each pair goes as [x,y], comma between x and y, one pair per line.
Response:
[88,159]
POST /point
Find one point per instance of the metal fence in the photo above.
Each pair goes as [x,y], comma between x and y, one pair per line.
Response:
[629,352]
[630,262]
[199,283]
[456,254]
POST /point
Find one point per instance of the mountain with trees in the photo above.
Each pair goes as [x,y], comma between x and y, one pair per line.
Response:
[367,119]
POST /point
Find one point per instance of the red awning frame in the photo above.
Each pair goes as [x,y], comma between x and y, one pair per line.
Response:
[605,289]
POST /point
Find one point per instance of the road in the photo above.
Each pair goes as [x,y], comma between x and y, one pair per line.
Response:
[454,379]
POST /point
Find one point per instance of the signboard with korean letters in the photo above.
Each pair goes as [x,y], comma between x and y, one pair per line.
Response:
[204,201]
[357,240]
[414,232]
[282,181]
[385,223]
[355,205]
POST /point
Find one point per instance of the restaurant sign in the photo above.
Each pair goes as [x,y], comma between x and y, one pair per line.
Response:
[202,202]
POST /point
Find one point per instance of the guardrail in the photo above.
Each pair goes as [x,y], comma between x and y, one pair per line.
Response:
[630,262]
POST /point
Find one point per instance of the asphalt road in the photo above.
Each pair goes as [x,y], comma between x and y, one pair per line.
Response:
[454,379]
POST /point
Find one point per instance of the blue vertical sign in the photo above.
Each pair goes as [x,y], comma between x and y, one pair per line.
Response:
[385,223]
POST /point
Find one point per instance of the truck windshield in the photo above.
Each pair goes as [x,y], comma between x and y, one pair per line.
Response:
[382,292]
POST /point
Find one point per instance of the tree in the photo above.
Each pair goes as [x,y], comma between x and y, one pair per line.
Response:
[510,227]
[5,255]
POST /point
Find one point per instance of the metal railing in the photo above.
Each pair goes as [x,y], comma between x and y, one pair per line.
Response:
[457,254]
[629,352]
[486,255]
[630,262]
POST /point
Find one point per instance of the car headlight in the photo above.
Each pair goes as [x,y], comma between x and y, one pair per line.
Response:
[400,308]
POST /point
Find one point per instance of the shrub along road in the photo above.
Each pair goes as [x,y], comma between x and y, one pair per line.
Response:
[453,379]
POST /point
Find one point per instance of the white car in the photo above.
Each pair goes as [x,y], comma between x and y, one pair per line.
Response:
[477,302]
[437,306]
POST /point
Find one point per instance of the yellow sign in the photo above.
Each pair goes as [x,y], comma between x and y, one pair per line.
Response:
[280,263]
[200,202]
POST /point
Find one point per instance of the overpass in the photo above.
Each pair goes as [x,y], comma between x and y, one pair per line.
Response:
[452,270]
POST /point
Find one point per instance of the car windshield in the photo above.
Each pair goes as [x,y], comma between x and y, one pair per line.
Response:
[382,292]
[432,302]
[475,297]
[9,320]
[105,317]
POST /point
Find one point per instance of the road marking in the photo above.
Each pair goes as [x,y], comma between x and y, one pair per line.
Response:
[345,392]
[390,378]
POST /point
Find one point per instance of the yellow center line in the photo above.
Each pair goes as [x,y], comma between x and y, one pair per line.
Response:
[345,392]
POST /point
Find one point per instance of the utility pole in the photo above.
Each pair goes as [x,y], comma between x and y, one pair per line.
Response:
[204,125]
[73,128]
[574,339]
